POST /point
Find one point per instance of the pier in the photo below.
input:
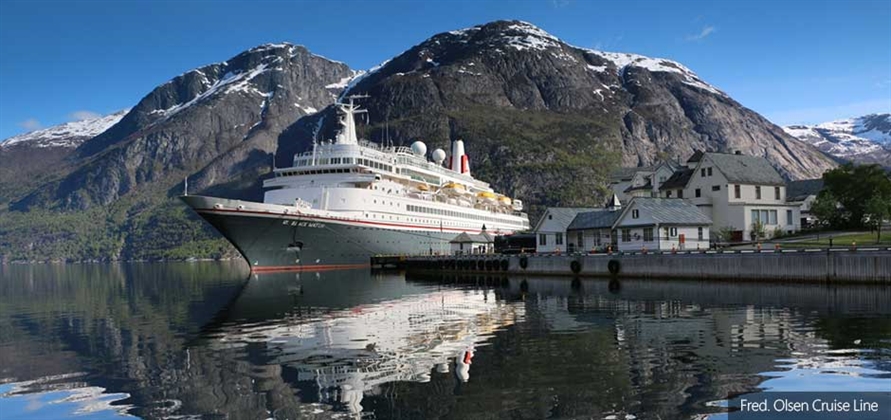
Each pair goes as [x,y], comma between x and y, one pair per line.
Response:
[868,265]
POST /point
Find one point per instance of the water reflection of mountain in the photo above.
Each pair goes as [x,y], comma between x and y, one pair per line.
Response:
[200,339]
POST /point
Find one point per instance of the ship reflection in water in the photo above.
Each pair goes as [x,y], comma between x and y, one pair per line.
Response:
[206,340]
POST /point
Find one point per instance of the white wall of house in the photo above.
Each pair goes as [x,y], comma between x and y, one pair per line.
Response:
[551,234]
[635,238]
[465,248]
[591,239]
[718,198]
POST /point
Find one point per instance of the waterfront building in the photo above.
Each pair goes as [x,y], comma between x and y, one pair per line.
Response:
[743,194]
[802,194]
[662,224]
[550,230]
[470,243]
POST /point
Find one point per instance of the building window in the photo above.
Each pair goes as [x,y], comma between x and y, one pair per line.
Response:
[673,232]
[755,217]
[558,240]
[580,240]
[668,194]
[698,192]
[550,217]
[757,192]
[789,218]
[699,233]
[542,239]
[626,235]
[716,188]
[702,172]
[776,193]
[648,234]
[709,171]
[680,193]
[736,193]
[773,217]
[635,214]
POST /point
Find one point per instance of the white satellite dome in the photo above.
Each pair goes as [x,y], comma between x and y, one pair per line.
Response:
[439,155]
[419,148]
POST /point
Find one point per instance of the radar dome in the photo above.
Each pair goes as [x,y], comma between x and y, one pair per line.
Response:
[439,155]
[419,148]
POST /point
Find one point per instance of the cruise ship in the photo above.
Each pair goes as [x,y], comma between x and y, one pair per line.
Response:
[347,200]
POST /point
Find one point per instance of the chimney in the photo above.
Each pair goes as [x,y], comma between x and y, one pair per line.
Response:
[737,152]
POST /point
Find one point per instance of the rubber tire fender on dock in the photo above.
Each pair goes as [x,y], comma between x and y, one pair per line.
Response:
[575,266]
[480,264]
[504,265]
[524,262]
[614,266]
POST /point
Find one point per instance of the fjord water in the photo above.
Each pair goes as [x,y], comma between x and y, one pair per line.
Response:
[209,340]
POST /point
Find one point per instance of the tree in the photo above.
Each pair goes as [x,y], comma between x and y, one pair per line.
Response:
[757,232]
[825,208]
[877,209]
[854,185]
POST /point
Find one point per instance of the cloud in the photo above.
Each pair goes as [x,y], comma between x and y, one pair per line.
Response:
[883,83]
[31,124]
[823,114]
[706,31]
[559,4]
[83,115]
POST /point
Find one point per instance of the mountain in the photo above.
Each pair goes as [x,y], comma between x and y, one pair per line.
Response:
[542,120]
[219,124]
[27,158]
[865,139]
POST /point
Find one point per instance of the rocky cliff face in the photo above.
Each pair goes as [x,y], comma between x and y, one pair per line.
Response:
[28,158]
[221,121]
[542,120]
[470,82]
[865,139]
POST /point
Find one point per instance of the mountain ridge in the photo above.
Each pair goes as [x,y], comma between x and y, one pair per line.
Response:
[542,120]
[864,139]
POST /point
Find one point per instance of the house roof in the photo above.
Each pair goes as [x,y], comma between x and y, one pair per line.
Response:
[800,190]
[563,215]
[464,237]
[598,219]
[745,169]
[695,157]
[679,179]
[626,174]
[647,186]
[668,211]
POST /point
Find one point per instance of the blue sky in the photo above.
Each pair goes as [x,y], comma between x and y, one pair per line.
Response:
[792,61]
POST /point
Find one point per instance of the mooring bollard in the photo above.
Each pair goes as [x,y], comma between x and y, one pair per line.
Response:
[776,247]
[759,247]
[853,245]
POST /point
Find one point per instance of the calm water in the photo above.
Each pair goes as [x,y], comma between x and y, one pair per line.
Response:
[204,340]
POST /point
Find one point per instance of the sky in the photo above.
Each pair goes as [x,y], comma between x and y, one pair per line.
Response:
[795,62]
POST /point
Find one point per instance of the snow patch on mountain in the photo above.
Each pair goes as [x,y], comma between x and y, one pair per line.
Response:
[69,135]
[866,138]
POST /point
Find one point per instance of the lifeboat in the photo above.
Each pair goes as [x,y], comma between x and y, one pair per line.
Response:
[423,187]
[453,188]
[486,196]
[504,200]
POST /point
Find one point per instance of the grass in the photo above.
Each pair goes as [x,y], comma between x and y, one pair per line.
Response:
[842,240]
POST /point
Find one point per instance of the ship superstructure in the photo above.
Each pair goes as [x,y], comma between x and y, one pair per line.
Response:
[348,199]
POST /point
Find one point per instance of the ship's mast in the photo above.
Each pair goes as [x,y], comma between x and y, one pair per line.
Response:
[347,133]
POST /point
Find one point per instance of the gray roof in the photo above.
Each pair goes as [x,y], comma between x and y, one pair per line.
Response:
[562,214]
[598,219]
[744,169]
[669,211]
[626,174]
[799,190]
[481,238]
[679,179]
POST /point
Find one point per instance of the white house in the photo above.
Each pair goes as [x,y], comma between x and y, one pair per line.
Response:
[642,181]
[802,194]
[593,230]
[736,191]
[550,230]
[661,224]
[465,243]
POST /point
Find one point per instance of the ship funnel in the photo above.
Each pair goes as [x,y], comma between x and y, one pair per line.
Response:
[459,162]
